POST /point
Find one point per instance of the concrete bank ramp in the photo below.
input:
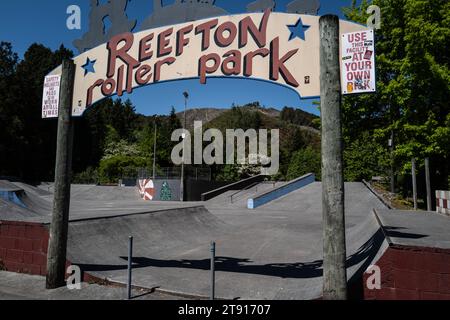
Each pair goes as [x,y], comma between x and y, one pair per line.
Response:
[21,201]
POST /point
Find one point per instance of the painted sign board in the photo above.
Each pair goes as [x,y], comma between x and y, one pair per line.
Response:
[358,62]
[50,98]
[159,190]
[277,47]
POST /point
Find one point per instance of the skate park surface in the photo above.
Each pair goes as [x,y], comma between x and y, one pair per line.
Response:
[272,252]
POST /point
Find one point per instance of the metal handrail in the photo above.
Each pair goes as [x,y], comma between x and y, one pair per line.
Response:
[246,189]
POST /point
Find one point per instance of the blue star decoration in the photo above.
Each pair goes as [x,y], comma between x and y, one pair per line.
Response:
[298,30]
[89,66]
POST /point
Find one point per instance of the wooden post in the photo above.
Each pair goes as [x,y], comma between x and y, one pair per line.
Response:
[333,189]
[57,249]
[414,182]
[213,271]
[428,183]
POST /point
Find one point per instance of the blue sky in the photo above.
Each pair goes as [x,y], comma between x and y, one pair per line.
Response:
[24,22]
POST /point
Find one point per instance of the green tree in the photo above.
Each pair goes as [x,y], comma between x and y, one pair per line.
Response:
[228,173]
[364,158]
[413,83]
[116,167]
[10,124]
[31,142]
[303,162]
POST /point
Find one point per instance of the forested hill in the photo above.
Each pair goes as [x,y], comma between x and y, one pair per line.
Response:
[219,118]
[113,141]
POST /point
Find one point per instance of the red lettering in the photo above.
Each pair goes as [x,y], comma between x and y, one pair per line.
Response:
[221,39]
[163,43]
[259,34]
[120,75]
[277,64]
[181,40]
[205,29]
[122,53]
[248,60]
[159,65]
[144,48]
[205,69]
[233,57]
[108,87]
[143,71]
[90,91]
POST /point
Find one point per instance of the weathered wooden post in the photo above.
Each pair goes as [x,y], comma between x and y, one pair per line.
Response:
[334,264]
[57,249]
[414,182]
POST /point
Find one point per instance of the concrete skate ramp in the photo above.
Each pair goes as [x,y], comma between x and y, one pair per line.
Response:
[10,211]
[87,201]
[100,246]
[15,203]
[99,193]
[273,252]
[6,186]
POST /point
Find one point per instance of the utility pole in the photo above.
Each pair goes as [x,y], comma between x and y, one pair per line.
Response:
[154,153]
[428,183]
[391,146]
[333,188]
[414,182]
[57,249]
[186,97]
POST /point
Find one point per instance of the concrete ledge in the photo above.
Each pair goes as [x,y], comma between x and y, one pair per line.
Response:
[271,195]
[234,186]
[379,196]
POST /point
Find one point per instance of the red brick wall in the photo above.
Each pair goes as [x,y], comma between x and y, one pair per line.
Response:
[23,247]
[412,273]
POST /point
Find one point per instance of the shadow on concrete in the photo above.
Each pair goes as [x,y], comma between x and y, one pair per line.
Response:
[365,254]
[395,233]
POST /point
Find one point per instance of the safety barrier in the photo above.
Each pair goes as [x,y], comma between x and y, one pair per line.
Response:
[443,202]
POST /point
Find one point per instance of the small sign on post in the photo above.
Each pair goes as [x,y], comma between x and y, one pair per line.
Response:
[50,98]
[358,62]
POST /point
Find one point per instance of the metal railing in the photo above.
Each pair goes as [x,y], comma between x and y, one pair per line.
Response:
[257,184]
[234,195]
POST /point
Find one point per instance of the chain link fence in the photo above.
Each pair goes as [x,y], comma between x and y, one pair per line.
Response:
[173,173]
